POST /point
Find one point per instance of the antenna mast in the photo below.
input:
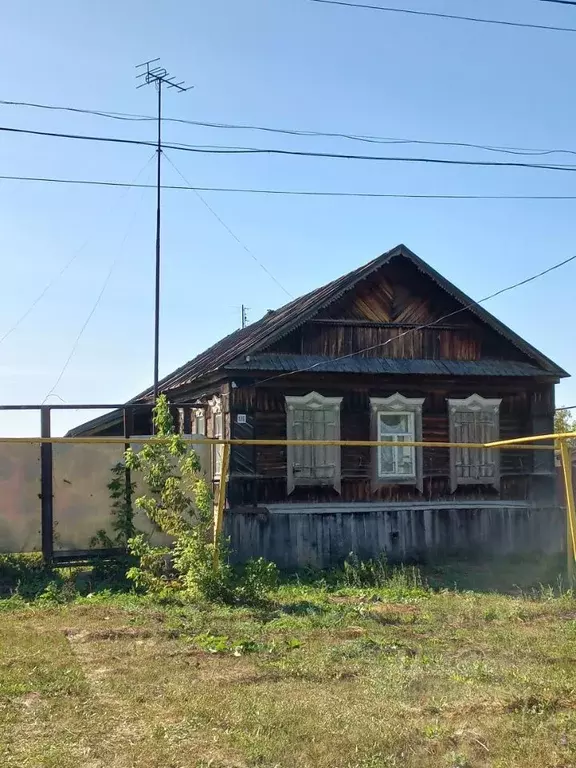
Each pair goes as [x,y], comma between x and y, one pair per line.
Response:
[154,74]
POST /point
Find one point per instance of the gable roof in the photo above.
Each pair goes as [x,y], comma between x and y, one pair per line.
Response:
[276,324]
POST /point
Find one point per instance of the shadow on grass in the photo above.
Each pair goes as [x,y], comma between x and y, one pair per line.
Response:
[508,575]
[27,576]
[303,608]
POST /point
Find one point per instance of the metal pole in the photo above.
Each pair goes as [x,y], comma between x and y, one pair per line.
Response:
[46,487]
[153,72]
[157,278]
[566,454]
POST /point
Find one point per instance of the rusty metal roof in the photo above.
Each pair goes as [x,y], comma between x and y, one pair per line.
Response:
[320,364]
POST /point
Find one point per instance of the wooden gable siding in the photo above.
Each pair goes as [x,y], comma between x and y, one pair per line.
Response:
[397,293]
[259,473]
[377,314]
[427,343]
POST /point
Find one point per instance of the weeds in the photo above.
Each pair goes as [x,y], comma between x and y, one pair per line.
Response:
[122,513]
[322,675]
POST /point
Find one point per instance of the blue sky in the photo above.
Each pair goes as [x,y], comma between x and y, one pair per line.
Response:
[284,63]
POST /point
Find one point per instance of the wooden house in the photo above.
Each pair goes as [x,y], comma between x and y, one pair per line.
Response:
[391,351]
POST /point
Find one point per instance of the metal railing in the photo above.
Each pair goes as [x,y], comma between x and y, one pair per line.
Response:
[560,442]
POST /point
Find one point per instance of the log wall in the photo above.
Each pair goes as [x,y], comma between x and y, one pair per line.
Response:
[258,474]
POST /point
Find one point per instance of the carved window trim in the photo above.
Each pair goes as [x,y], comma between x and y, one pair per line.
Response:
[311,459]
[215,405]
[397,404]
[474,466]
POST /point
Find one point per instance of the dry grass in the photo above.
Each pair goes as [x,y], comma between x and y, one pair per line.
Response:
[356,680]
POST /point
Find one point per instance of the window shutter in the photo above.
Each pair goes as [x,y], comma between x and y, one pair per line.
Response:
[313,417]
[474,420]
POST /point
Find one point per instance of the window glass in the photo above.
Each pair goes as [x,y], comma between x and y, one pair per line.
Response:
[396,461]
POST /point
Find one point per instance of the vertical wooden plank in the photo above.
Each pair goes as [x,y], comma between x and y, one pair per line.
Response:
[264,524]
[338,545]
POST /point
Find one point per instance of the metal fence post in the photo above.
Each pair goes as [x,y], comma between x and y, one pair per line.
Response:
[46,487]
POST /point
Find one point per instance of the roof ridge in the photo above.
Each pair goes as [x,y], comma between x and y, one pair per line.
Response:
[276,324]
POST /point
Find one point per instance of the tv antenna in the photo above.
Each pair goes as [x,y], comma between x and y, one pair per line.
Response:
[154,74]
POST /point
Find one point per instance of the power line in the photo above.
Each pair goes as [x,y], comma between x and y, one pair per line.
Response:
[66,266]
[305,133]
[560,2]
[94,306]
[426,325]
[298,153]
[288,192]
[451,16]
[230,232]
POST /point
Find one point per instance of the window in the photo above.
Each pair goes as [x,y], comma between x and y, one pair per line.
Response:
[474,420]
[396,461]
[218,449]
[215,405]
[397,419]
[313,417]
[199,424]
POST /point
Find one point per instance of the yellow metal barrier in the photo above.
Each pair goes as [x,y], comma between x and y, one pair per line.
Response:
[521,443]
[563,441]
[220,441]
[566,454]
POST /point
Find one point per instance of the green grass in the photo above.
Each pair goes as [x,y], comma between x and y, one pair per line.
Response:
[395,676]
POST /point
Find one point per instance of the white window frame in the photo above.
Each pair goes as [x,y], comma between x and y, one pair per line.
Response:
[217,432]
[313,401]
[199,422]
[474,457]
[397,405]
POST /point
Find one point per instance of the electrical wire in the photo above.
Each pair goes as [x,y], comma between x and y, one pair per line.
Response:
[298,153]
[425,325]
[289,192]
[95,306]
[560,2]
[67,265]
[227,228]
[451,16]
[299,132]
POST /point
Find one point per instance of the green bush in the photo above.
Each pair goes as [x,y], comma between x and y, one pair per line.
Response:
[151,572]
[400,581]
[204,570]
[121,512]
[365,573]
[24,574]
[180,505]
[257,578]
